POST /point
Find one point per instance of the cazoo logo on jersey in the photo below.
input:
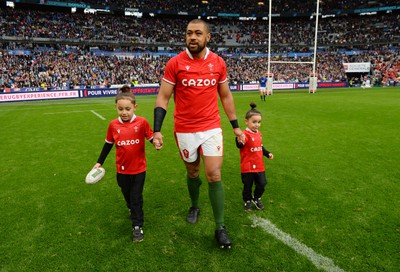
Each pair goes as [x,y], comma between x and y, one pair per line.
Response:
[256,149]
[128,142]
[199,82]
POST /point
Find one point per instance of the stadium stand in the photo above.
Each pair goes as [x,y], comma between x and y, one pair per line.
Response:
[52,48]
[244,6]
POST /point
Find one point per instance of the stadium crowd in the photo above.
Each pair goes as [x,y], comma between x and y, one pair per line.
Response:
[244,6]
[59,69]
[61,46]
[354,30]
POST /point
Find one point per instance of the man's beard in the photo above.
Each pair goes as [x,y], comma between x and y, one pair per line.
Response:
[199,48]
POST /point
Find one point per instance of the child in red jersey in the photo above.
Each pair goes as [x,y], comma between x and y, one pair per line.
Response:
[128,132]
[251,160]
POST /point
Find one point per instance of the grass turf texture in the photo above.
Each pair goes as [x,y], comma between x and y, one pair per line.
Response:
[333,186]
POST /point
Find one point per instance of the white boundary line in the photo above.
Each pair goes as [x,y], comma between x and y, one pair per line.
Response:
[64,112]
[98,115]
[319,261]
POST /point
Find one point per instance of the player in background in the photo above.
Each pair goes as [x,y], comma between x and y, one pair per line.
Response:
[262,86]
[128,132]
[366,82]
[251,161]
[197,77]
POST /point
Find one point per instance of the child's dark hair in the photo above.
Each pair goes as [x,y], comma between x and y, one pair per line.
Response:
[253,111]
[125,89]
[128,96]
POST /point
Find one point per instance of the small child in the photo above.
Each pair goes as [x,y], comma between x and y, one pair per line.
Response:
[128,132]
[251,160]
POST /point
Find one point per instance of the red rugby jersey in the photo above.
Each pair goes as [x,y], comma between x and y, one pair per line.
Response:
[251,155]
[196,90]
[129,139]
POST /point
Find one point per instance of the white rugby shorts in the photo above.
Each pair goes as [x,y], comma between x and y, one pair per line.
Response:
[208,143]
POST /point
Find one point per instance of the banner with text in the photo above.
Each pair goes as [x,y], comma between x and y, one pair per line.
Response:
[357,67]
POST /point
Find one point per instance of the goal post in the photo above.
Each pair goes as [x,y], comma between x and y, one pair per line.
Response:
[270,82]
[313,76]
[313,83]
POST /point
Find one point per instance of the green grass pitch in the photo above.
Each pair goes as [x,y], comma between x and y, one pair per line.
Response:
[333,187]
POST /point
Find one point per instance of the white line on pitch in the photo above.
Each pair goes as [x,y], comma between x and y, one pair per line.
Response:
[98,115]
[319,261]
[63,112]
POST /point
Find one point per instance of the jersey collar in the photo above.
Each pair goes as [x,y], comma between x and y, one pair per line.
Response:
[191,56]
[249,130]
[132,119]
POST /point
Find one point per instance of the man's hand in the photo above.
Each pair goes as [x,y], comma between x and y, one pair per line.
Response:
[240,135]
[158,140]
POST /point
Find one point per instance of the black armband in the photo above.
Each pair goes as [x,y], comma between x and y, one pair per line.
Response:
[238,145]
[104,152]
[159,114]
[265,152]
[234,123]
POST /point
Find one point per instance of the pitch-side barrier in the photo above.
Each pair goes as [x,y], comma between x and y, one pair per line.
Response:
[35,94]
